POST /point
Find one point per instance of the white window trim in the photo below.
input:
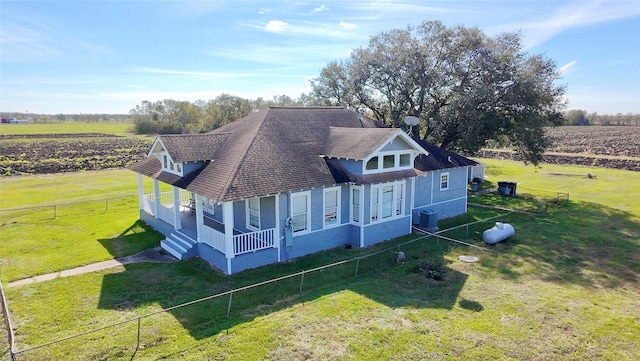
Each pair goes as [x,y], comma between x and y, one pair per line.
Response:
[308,195]
[171,166]
[394,201]
[396,161]
[360,201]
[208,205]
[248,214]
[338,191]
[442,175]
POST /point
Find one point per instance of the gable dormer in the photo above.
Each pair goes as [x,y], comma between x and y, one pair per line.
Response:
[169,165]
[373,150]
[398,153]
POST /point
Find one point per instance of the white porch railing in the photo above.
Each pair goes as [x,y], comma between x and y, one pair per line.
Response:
[213,238]
[242,243]
[148,205]
[254,241]
[166,214]
[185,198]
[165,197]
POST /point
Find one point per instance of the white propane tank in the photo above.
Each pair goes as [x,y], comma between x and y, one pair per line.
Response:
[497,233]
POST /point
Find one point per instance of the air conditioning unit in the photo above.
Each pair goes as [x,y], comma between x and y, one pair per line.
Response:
[429,220]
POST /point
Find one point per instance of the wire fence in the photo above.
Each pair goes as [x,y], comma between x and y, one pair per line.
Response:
[218,312]
[7,321]
[76,209]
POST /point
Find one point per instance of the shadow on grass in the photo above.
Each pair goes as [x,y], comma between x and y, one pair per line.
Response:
[378,279]
[579,243]
[136,238]
[573,243]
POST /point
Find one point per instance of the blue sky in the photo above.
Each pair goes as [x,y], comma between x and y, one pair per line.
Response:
[108,56]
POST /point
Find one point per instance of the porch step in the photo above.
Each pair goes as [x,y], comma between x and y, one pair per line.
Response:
[179,245]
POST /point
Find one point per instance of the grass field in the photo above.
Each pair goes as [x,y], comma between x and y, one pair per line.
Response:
[68,220]
[566,287]
[66,128]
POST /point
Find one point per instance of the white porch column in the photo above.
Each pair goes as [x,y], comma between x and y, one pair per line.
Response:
[361,194]
[277,241]
[156,195]
[176,209]
[199,217]
[227,218]
[140,192]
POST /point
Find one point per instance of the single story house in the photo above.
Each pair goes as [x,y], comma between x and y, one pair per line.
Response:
[289,181]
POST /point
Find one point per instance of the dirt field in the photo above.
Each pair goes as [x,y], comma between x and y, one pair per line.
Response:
[47,153]
[598,146]
[611,147]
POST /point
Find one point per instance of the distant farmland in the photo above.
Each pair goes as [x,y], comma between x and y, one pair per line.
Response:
[39,149]
[597,146]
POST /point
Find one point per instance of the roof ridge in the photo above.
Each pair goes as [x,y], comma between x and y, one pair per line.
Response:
[242,157]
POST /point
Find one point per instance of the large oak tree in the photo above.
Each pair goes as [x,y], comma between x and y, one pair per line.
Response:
[465,87]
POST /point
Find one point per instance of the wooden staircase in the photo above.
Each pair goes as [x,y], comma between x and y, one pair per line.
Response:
[179,245]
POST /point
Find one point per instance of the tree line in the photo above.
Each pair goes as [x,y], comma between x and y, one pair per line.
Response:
[173,116]
[582,117]
[464,88]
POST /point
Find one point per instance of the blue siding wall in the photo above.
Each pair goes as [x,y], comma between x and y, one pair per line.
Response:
[457,185]
[422,196]
[217,213]
[239,219]
[446,203]
[367,203]
[353,166]
[444,210]
[378,232]
[189,167]
[212,256]
[316,209]
[268,212]
[320,240]
[397,144]
[344,207]
[253,260]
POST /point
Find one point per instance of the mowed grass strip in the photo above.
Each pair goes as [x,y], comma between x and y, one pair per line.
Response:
[564,287]
[56,222]
[114,128]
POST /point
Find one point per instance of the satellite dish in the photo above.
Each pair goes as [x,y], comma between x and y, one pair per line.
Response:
[411,120]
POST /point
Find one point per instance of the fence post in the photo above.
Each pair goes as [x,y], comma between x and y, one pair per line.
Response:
[54,212]
[357,266]
[301,281]
[106,205]
[229,306]
[138,344]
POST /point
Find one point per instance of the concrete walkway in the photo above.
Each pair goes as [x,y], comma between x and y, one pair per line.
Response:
[155,255]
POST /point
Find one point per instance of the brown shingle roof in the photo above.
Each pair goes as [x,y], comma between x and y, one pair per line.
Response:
[193,147]
[275,150]
[356,143]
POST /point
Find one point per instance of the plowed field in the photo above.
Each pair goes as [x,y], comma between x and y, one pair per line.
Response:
[47,153]
[598,146]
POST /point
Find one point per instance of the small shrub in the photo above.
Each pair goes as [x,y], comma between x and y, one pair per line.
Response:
[432,271]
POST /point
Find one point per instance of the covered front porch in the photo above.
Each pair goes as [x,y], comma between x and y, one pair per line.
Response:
[194,225]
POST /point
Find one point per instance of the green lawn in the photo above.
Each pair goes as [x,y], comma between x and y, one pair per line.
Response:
[96,219]
[66,128]
[565,287]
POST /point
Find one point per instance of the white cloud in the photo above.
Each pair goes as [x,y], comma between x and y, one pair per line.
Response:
[574,15]
[276,26]
[197,74]
[566,67]
[321,8]
[347,25]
